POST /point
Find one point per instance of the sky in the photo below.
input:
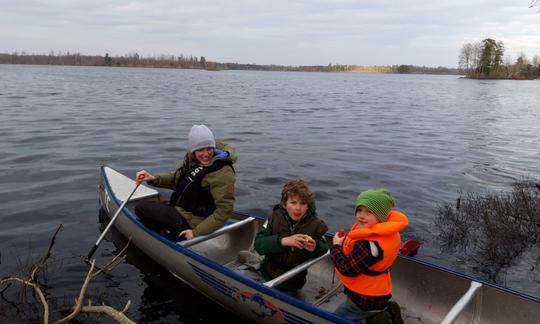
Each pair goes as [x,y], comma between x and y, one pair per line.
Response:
[282,32]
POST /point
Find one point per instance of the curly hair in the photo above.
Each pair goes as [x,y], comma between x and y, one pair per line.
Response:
[297,187]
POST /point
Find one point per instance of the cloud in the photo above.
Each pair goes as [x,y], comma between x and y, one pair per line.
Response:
[266,32]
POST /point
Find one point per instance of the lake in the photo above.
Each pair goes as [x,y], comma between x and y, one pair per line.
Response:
[425,138]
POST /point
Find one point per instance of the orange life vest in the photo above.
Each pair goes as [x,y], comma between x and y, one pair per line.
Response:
[387,235]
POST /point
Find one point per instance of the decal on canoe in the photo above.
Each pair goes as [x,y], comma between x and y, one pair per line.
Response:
[107,201]
[263,309]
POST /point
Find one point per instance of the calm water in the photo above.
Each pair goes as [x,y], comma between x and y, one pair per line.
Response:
[424,138]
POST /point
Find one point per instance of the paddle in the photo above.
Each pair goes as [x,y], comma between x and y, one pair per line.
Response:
[410,247]
[138,181]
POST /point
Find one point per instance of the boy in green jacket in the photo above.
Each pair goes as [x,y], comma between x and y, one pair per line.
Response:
[292,235]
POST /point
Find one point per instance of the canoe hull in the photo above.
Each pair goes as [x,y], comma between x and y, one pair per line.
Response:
[425,292]
[233,291]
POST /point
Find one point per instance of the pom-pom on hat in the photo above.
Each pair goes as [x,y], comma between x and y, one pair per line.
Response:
[200,137]
[379,201]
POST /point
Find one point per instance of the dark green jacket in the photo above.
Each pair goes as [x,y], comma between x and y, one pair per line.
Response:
[221,186]
[279,259]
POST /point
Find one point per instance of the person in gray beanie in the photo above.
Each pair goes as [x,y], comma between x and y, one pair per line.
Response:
[200,137]
[203,189]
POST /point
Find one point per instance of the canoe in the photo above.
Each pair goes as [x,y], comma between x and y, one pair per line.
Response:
[216,264]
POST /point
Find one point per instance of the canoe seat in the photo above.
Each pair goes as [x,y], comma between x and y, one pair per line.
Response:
[122,186]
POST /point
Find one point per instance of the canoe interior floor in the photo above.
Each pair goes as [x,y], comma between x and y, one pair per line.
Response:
[327,298]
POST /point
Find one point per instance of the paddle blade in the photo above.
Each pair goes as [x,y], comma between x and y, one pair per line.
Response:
[410,247]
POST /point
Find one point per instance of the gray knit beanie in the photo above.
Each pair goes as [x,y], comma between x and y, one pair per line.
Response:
[200,137]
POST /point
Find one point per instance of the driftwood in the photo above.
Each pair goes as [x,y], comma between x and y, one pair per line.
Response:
[78,307]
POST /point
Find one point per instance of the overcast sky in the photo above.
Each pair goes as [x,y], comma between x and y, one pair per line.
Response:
[284,32]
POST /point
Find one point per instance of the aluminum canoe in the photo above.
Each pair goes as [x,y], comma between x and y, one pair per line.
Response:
[213,265]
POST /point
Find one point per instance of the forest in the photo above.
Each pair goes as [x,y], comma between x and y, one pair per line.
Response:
[193,62]
[485,60]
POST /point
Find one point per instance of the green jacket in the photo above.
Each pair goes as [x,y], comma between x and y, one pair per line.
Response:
[279,259]
[221,185]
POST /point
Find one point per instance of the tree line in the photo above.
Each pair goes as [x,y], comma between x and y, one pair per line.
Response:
[193,62]
[405,69]
[129,60]
[485,60]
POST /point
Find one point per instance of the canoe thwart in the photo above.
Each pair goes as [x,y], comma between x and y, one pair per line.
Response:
[462,303]
[296,270]
[223,230]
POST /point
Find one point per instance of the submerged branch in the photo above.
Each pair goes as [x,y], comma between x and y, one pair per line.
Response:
[38,291]
[117,315]
[78,307]
[37,267]
[79,301]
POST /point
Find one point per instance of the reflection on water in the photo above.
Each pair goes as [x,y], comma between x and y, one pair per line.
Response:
[422,137]
[164,297]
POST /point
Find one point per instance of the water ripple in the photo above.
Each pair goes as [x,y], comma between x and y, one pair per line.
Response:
[424,138]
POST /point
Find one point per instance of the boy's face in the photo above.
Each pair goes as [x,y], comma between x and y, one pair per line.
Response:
[365,218]
[296,208]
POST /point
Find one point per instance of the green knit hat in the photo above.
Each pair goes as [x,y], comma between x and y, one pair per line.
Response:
[379,201]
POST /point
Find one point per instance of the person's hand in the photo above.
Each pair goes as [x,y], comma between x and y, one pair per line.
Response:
[188,234]
[299,241]
[144,175]
[310,244]
[338,238]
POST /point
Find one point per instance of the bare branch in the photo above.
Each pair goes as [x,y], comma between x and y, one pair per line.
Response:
[79,301]
[127,306]
[41,263]
[115,261]
[7,286]
[115,314]
[78,307]
[38,292]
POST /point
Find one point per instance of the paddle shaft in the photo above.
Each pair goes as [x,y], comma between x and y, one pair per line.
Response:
[94,248]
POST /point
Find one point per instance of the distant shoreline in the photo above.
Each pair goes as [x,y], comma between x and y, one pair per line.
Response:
[191,62]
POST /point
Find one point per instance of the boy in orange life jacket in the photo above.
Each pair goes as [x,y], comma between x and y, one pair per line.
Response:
[364,256]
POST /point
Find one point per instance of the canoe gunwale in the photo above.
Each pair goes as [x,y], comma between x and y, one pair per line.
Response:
[468,277]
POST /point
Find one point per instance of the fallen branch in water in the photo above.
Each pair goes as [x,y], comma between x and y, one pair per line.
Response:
[31,281]
[38,291]
[37,267]
[119,316]
[78,307]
